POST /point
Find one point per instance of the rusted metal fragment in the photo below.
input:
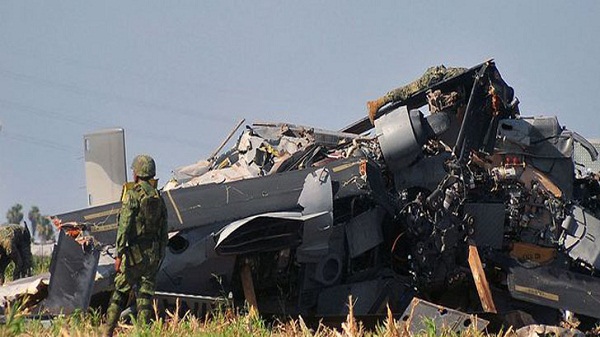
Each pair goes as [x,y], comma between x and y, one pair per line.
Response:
[531,175]
[524,251]
[483,288]
[248,286]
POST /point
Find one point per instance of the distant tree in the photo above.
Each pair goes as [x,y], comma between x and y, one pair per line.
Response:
[40,224]
[45,229]
[15,214]
[35,217]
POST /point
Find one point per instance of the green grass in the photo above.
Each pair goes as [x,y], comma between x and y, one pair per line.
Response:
[41,264]
[224,322]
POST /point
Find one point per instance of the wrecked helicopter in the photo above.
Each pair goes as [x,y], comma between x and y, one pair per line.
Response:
[465,204]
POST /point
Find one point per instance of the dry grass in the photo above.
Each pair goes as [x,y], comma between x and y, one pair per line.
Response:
[224,322]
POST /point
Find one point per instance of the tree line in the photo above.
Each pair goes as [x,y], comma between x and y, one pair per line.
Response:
[38,224]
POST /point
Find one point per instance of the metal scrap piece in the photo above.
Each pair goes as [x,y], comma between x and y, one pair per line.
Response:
[364,232]
[536,330]
[73,270]
[419,311]
[581,230]
[555,287]
[30,289]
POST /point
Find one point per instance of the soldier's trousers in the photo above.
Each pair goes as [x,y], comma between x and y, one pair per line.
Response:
[22,259]
[141,279]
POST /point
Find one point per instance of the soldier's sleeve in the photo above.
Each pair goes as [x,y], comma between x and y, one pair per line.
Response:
[129,207]
[164,230]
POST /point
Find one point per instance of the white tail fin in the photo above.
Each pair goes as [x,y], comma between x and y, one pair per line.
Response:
[105,169]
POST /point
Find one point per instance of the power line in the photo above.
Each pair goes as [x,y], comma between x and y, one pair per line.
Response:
[40,142]
[96,124]
[73,88]
[71,62]
[49,113]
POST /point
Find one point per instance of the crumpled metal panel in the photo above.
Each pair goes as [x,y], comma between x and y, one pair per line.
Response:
[369,297]
[72,271]
[514,131]
[33,287]
[400,137]
[364,232]
[582,230]
[317,194]
[276,230]
[316,198]
[193,267]
[263,232]
[419,311]
[276,131]
[488,223]
[555,287]
[427,172]
[207,205]
[315,238]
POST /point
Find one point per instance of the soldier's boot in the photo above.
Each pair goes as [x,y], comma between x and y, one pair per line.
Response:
[112,319]
[27,262]
[16,273]
[108,331]
[18,261]
[373,107]
[113,313]
[144,308]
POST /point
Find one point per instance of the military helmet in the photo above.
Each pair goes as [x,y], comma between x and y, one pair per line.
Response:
[143,166]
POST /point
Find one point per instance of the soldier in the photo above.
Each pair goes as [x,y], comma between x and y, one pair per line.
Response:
[15,245]
[141,243]
[431,76]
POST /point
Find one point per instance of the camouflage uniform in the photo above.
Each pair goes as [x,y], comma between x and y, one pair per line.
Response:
[431,76]
[141,243]
[15,245]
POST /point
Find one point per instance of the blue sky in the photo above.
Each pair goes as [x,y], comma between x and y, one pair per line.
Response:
[179,75]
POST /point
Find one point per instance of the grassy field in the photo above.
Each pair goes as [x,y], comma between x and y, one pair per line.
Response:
[224,322]
[41,264]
